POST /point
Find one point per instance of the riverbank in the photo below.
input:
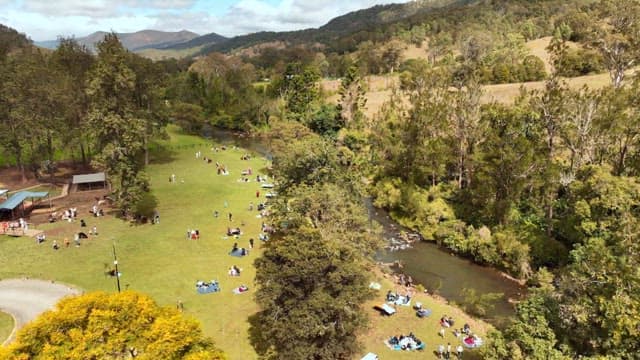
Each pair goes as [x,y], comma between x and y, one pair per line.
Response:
[405,321]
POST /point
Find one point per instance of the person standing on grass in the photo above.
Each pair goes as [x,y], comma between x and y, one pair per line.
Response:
[459,350]
[251,243]
[230,217]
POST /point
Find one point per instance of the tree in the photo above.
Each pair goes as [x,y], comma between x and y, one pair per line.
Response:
[423,134]
[30,108]
[550,106]
[618,40]
[335,212]
[352,99]
[595,201]
[115,122]
[189,117]
[508,162]
[300,90]
[74,61]
[310,288]
[438,44]
[599,305]
[530,336]
[306,162]
[468,128]
[391,55]
[112,326]
[578,132]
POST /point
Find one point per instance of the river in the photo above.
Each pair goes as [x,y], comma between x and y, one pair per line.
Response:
[428,264]
[445,274]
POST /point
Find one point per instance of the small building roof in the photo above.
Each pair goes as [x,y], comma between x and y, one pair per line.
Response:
[3,191]
[17,198]
[88,178]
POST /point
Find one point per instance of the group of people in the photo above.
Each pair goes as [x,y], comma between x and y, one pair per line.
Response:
[221,169]
[70,214]
[96,211]
[466,330]
[409,342]
[193,234]
[446,321]
[235,250]
[398,299]
[234,271]
[445,352]
[11,226]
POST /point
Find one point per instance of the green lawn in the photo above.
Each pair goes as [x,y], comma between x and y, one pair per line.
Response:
[159,261]
[6,326]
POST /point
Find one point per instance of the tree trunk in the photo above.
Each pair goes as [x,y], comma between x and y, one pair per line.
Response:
[82,153]
[621,159]
[23,173]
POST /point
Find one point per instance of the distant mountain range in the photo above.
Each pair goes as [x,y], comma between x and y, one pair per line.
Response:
[339,34]
[139,40]
[334,31]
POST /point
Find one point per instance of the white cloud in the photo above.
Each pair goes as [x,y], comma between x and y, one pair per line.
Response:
[100,8]
[247,16]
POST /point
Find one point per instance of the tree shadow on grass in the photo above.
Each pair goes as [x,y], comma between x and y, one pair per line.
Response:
[161,154]
[256,337]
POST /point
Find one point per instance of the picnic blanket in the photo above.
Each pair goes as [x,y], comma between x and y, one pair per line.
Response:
[207,288]
[385,309]
[240,290]
[472,342]
[408,343]
[401,300]
[238,252]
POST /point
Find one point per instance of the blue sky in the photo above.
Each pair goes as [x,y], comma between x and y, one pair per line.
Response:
[47,19]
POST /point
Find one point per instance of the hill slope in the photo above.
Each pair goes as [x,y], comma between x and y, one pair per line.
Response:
[133,41]
[325,35]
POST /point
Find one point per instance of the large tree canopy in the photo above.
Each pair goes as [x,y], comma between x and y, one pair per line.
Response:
[125,325]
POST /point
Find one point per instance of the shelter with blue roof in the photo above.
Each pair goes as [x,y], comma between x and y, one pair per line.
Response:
[16,201]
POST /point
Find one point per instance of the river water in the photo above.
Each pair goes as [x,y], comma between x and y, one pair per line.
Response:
[428,264]
[445,274]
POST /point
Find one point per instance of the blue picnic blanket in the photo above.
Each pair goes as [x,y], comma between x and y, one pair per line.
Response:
[206,288]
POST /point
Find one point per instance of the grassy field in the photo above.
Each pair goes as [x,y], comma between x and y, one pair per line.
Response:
[6,326]
[163,54]
[160,261]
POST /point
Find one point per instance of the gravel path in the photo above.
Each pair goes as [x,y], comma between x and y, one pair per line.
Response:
[25,299]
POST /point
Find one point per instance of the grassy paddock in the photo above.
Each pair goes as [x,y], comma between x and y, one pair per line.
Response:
[160,261]
[6,326]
